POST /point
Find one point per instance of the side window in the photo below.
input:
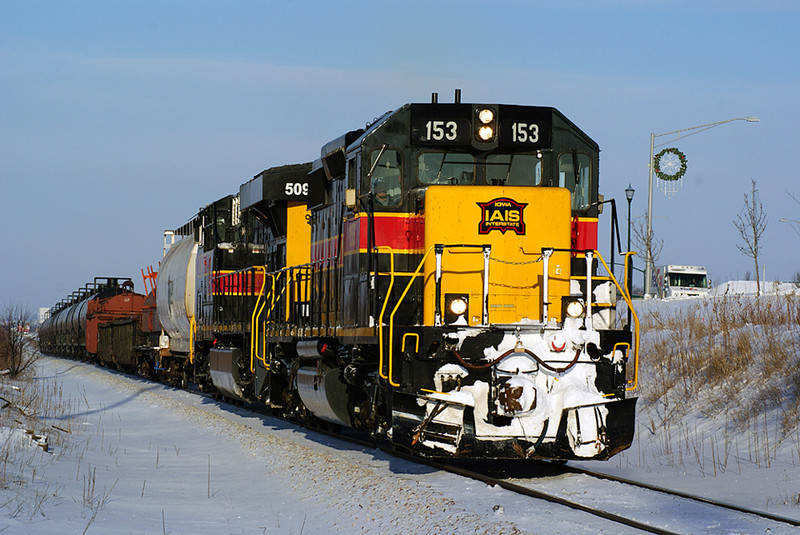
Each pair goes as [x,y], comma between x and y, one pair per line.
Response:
[386,181]
[351,172]
[575,174]
[222,227]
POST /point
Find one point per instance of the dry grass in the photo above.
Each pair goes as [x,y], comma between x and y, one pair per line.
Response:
[734,359]
[32,416]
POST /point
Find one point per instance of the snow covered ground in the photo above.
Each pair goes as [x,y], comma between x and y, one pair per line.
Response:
[130,456]
[145,458]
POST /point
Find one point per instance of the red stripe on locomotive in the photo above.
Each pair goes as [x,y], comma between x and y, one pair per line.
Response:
[248,282]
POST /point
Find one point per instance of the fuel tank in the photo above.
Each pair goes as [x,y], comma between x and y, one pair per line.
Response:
[175,293]
[324,394]
[224,366]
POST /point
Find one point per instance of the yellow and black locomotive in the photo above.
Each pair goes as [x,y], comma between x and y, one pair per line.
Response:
[432,279]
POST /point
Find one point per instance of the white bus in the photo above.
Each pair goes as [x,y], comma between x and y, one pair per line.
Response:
[681,281]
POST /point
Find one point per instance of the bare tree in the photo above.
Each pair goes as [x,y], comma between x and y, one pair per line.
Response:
[751,224]
[647,244]
[18,348]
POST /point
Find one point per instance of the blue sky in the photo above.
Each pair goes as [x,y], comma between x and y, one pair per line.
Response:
[120,119]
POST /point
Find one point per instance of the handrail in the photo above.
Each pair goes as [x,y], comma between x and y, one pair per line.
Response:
[294,276]
[192,333]
[273,300]
[394,311]
[631,385]
[254,318]
[440,248]
[415,335]
[264,330]
[383,310]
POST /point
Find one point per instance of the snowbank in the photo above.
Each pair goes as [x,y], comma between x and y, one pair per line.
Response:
[751,288]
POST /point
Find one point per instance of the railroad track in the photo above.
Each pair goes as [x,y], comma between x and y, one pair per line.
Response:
[507,476]
[771,523]
[552,498]
[762,521]
[685,495]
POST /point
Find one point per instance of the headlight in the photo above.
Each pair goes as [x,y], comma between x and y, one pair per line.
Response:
[456,309]
[458,306]
[486,116]
[575,309]
[486,133]
[485,125]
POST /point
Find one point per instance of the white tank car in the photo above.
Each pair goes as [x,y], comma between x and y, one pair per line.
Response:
[175,294]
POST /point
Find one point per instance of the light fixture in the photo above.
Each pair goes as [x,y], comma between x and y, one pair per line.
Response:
[575,308]
[486,124]
[486,116]
[456,308]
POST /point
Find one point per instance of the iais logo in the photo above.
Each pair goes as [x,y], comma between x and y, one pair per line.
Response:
[502,214]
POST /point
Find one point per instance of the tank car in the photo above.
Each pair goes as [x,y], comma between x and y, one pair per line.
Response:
[74,327]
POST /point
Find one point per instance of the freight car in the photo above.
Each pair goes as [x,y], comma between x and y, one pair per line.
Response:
[73,326]
[432,279]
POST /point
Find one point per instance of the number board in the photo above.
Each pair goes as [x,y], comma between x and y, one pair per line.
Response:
[441,124]
[524,127]
[520,127]
[288,188]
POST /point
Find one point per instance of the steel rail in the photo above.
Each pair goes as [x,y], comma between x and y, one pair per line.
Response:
[519,489]
[685,495]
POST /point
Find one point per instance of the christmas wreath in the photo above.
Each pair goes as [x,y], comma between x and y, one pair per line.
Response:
[672,164]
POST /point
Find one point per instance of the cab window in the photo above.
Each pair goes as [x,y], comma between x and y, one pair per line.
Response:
[575,174]
[446,168]
[386,180]
[514,169]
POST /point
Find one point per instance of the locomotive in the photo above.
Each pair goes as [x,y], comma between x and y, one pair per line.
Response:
[431,279]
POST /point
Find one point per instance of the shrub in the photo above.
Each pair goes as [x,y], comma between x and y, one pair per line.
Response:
[18,349]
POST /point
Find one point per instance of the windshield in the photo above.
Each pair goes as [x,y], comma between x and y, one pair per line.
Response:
[514,169]
[687,280]
[446,168]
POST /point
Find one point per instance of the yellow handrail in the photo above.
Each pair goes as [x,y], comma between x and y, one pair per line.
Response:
[192,333]
[254,318]
[631,385]
[383,309]
[394,311]
[273,300]
[263,357]
[416,346]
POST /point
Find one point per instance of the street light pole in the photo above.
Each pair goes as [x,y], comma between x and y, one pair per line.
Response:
[685,132]
[794,228]
[629,191]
